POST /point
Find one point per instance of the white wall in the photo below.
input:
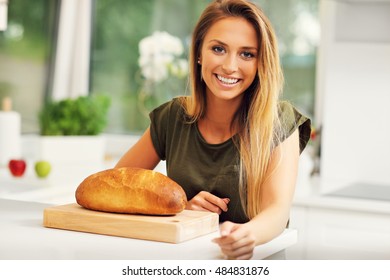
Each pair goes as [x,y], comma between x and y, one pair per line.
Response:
[354,92]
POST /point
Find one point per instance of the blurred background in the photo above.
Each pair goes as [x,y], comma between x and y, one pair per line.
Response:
[112,29]
[336,59]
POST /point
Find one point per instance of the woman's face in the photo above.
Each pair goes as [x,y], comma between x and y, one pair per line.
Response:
[229,57]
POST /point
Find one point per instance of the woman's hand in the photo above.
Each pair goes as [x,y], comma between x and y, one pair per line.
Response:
[205,201]
[237,241]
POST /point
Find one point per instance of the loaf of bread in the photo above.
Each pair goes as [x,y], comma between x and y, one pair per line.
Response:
[131,190]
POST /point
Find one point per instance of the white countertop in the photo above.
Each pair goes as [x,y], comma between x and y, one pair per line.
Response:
[342,203]
[24,237]
[310,194]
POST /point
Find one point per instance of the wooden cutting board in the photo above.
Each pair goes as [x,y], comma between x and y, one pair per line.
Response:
[172,229]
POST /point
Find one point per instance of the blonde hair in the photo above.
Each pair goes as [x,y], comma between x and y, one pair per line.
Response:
[258,114]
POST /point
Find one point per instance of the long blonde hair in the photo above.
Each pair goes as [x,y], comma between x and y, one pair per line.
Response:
[258,114]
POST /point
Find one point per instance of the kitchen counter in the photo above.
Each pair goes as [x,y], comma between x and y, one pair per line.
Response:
[336,224]
[24,237]
[312,195]
[343,203]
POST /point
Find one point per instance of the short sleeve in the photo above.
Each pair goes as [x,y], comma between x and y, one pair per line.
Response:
[163,120]
[291,119]
[159,119]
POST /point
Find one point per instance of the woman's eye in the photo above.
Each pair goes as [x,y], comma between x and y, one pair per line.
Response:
[248,55]
[218,49]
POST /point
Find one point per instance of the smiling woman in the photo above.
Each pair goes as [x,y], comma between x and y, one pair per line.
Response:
[228,67]
[231,145]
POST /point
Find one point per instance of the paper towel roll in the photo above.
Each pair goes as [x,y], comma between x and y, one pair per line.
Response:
[10,131]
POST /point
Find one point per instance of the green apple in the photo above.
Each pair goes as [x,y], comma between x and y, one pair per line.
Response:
[42,168]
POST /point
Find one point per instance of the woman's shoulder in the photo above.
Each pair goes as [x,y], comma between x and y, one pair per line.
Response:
[290,114]
[170,110]
[175,104]
[285,107]
[291,118]
[164,120]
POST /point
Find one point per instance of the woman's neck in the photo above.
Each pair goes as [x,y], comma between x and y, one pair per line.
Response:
[218,123]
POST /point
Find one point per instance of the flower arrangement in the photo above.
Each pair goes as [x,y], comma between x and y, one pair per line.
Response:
[161,56]
[163,68]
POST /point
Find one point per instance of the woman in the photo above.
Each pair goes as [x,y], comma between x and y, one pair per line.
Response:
[231,145]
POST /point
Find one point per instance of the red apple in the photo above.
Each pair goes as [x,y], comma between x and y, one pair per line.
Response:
[17,167]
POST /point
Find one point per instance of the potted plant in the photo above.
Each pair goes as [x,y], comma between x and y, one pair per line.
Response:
[71,129]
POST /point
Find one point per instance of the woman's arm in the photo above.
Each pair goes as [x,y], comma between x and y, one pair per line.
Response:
[142,154]
[239,240]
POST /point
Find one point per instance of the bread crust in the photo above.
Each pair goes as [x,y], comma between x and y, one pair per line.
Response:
[131,190]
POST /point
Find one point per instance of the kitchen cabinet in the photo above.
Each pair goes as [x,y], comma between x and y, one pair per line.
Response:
[340,228]
[352,93]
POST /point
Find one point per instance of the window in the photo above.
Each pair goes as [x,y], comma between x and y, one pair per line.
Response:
[119,25]
[25,50]
[297,26]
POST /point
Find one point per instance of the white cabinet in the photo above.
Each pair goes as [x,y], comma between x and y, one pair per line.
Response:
[353,91]
[329,233]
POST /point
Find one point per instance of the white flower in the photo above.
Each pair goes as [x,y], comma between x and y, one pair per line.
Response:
[160,56]
[180,69]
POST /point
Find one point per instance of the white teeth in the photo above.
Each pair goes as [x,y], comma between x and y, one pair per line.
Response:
[227,80]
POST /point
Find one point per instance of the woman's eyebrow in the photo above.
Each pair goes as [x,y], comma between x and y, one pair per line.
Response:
[224,44]
[217,41]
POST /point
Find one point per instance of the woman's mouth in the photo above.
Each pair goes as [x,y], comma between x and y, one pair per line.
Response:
[227,81]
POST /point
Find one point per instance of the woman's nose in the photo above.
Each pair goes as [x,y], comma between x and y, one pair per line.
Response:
[230,64]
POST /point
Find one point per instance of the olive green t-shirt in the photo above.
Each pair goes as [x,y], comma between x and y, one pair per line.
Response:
[199,166]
